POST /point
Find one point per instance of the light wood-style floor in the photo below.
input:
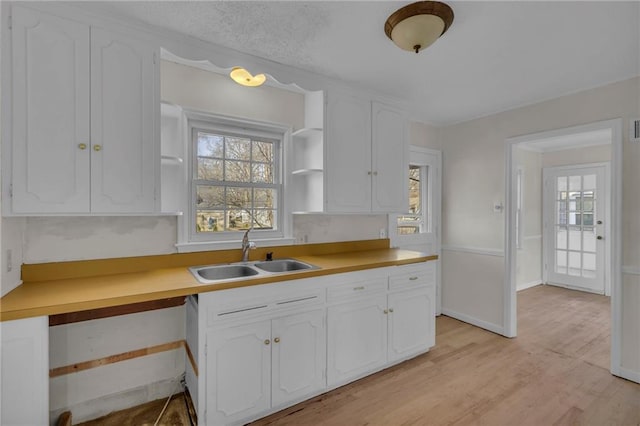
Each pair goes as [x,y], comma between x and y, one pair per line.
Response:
[556,372]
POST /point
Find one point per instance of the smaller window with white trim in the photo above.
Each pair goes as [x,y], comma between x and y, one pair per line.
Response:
[236,183]
[415,221]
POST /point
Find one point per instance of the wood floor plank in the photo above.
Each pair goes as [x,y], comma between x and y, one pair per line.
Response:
[556,372]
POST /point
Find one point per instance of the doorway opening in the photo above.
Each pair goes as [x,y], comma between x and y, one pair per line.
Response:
[563,217]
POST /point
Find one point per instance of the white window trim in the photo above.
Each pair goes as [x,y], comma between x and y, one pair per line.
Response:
[204,121]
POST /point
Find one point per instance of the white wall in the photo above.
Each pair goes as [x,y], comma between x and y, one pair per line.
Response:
[590,154]
[473,154]
[321,228]
[424,135]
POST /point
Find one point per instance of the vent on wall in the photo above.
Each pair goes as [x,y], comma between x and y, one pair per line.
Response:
[634,135]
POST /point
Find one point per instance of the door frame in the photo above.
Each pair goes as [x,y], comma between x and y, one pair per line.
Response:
[615,237]
[607,201]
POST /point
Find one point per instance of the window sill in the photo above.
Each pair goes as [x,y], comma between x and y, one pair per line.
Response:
[227,245]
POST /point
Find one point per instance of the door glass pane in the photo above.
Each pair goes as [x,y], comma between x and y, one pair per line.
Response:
[561,237]
[562,183]
[575,183]
[589,265]
[574,263]
[589,239]
[561,261]
[589,182]
[561,209]
[575,237]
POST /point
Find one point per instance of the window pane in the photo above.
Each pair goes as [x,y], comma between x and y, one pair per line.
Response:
[238,148]
[575,238]
[237,171]
[209,221]
[238,220]
[589,239]
[561,261]
[264,219]
[408,230]
[587,219]
[262,151]
[210,145]
[574,264]
[210,197]
[238,198]
[264,198]
[588,265]
[562,183]
[209,169]
[561,237]
[415,202]
[262,173]
[589,182]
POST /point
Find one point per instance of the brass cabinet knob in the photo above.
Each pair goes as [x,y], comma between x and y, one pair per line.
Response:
[390,310]
[97,147]
[276,340]
[267,341]
[82,145]
[385,312]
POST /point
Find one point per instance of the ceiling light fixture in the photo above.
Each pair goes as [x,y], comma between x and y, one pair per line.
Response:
[418,25]
[244,77]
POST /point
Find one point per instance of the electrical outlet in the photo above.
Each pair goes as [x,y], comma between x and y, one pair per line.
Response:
[383,232]
[9,260]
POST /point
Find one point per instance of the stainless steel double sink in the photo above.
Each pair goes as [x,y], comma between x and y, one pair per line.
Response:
[237,271]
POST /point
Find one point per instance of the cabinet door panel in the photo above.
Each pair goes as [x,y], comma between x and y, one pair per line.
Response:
[348,154]
[357,339]
[50,79]
[411,322]
[299,356]
[122,110]
[25,372]
[390,153]
[238,372]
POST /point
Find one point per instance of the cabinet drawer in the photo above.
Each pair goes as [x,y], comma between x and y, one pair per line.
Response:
[273,303]
[356,289]
[413,277]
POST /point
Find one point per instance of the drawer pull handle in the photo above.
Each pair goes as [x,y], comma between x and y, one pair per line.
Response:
[413,278]
[266,342]
[276,340]
[359,288]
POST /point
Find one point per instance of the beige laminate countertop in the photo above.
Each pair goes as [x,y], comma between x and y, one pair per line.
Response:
[59,296]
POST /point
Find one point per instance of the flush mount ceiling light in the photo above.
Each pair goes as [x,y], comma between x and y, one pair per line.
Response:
[418,25]
[244,77]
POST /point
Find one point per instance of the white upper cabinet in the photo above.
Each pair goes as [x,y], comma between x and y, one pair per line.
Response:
[50,78]
[389,160]
[123,157]
[348,165]
[83,107]
[367,156]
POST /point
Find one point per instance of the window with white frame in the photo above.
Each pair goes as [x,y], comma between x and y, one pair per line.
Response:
[416,220]
[236,182]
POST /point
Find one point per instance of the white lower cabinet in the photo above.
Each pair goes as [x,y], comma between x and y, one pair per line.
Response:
[357,339]
[24,392]
[267,347]
[412,323]
[262,365]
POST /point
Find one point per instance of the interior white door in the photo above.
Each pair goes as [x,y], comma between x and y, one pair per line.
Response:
[575,210]
[50,107]
[298,356]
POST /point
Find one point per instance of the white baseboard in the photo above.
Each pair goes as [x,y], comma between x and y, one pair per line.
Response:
[528,285]
[495,328]
[89,410]
[634,376]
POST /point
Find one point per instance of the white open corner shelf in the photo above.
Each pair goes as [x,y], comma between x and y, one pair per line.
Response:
[306,132]
[301,172]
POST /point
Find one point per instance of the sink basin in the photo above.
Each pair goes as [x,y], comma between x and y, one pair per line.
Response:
[283,265]
[223,272]
[238,271]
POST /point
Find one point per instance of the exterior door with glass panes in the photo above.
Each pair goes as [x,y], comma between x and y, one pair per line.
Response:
[575,223]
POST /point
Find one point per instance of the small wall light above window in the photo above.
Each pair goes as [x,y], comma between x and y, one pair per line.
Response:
[244,77]
[418,25]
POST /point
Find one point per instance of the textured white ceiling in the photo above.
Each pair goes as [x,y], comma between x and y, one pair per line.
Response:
[496,55]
